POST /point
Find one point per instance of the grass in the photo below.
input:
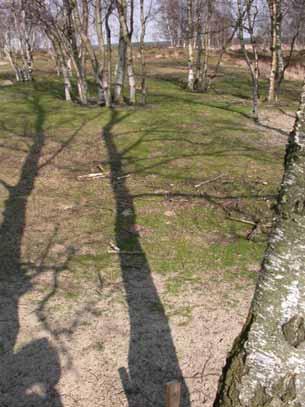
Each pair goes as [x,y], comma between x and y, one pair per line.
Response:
[167,147]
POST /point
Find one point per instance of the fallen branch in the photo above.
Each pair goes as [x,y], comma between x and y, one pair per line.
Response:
[256,226]
[124,252]
[93,175]
[247,222]
[209,180]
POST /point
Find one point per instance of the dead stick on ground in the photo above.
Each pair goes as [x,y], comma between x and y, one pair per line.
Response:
[209,180]
[247,222]
[124,252]
[172,394]
[92,176]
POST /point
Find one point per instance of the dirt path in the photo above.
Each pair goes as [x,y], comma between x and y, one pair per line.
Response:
[92,343]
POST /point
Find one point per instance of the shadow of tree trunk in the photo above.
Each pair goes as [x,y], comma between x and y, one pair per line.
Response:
[27,377]
[152,358]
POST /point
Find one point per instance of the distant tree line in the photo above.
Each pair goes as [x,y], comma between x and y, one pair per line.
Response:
[79,33]
[203,26]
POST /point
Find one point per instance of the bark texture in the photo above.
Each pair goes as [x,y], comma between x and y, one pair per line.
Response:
[277,64]
[204,77]
[126,33]
[143,19]
[120,70]
[190,80]
[248,16]
[266,367]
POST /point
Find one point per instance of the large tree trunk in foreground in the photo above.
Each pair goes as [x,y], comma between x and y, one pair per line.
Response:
[266,367]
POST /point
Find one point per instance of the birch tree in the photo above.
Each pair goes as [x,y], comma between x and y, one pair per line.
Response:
[203,75]
[105,47]
[126,32]
[144,17]
[57,19]
[120,69]
[266,366]
[18,33]
[73,42]
[247,15]
[277,63]
[96,55]
[293,29]
[190,45]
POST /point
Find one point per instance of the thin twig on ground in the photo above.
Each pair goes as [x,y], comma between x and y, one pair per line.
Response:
[209,180]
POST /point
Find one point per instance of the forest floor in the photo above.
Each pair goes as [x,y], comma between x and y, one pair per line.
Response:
[111,287]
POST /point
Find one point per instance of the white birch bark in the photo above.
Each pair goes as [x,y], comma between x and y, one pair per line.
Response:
[277,63]
[62,61]
[126,33]
[143,20]
[252,64]
[120,70]
[190,28]
[266,367]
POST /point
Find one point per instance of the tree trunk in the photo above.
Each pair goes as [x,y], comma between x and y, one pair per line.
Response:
[252,65]
[11,58]
[198,46]
[277,64]
[120,70]
[27,48]
[96,61]
[190,80]
[63,65]
[142,53]
[73,50]
[266,367]
[105,64]
[204,80]
[66,76]
[127,34]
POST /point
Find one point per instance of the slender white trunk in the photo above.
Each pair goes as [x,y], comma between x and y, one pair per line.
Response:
[69,66]
[142,53]
[191,78]
[126,34]
[82,90]
[67,83]
[120,71]
[205,80]
[132,83]
[277,64]
[62,62]
[252,64]
[13,63]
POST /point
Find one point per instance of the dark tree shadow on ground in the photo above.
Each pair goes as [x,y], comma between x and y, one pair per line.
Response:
[28,376]
[152,357]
